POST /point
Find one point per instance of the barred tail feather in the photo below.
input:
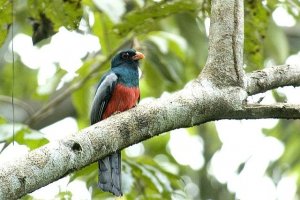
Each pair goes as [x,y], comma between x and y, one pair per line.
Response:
[110,174]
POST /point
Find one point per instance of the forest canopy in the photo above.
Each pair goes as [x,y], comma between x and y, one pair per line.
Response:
[63,47]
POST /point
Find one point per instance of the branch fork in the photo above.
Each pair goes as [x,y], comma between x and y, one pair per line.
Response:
[218,93]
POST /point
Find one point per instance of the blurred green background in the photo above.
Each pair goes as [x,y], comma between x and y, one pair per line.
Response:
[73,42]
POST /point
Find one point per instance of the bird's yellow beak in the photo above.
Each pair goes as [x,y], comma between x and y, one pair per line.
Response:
[138,56]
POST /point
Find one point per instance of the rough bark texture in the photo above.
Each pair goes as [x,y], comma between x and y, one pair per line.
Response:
[226,39]
[273,77]
[218,93]
[258,111]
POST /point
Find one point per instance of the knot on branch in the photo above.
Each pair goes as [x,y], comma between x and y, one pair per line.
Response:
[73,145]
[76,147]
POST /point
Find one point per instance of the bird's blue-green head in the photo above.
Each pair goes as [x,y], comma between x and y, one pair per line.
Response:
[129,57]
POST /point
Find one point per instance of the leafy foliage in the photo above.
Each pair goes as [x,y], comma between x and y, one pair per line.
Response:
[142,20]
[263,39]
[49,15]
[173,36]
[257,21]
[287,132]
[23,135]
[5,20]
[28,76]
[142,178]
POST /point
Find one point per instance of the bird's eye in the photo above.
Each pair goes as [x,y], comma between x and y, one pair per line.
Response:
[125,55]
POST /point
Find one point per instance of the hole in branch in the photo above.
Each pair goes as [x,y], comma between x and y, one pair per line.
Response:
[76,146]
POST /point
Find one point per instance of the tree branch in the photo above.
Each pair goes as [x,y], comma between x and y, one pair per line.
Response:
[205,99]
[258,111]
[197,103]
[193,105]
[273,77]
[226,39]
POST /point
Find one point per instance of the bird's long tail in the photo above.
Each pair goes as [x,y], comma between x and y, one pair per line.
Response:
[110,174]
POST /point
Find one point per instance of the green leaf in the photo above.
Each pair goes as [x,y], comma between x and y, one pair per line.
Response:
[103,28]
[256,23]
[64,195]
[27,197]
[23,135]
[141,20]
[145,178]
[25,79]
[162,178]
[150,180]
[164,62]
[58,13]
[279,97]
[5,19]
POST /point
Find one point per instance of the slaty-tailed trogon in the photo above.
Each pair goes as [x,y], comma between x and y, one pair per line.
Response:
[117,91]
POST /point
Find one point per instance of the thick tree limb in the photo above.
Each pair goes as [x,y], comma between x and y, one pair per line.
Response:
[216,94]
[273,77]
[198,103]
[226,39]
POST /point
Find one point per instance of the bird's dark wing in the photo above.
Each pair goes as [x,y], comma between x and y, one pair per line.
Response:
[102,96]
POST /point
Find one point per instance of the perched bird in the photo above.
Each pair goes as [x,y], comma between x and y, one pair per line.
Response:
[117,91]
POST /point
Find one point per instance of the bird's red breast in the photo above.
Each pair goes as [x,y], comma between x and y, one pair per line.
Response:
[122,99]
